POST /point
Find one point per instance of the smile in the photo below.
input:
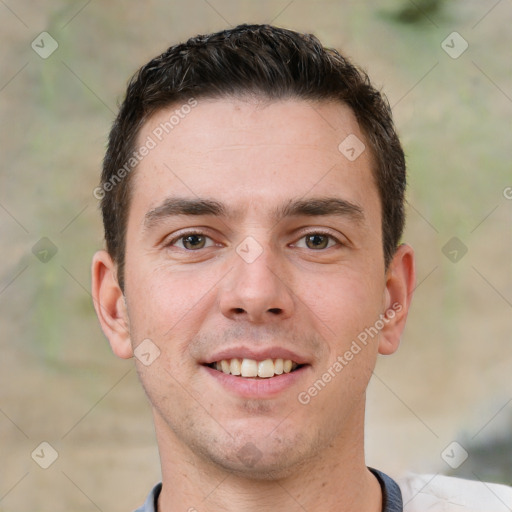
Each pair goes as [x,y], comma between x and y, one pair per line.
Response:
[250,368]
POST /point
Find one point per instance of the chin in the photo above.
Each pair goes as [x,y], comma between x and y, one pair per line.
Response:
[268,468]
[267,458]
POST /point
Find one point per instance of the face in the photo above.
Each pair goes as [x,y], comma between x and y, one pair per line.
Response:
[254,245]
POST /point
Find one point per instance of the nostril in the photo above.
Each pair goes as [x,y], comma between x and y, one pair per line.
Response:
[276,311]
[239,310]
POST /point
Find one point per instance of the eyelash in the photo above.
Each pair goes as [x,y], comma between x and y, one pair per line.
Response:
[322,233]
[303,235]
[184,235]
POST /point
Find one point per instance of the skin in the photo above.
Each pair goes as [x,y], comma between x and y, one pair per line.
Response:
[254,157]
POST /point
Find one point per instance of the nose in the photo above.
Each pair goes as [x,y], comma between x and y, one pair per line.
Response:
[256,290]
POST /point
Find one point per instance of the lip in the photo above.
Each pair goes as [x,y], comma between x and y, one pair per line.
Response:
[257,388]
[258,355]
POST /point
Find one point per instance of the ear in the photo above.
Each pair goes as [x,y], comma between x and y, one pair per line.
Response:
[110,305]
[400,282]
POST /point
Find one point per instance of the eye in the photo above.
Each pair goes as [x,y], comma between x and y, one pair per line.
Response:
[317,241]
[192,241]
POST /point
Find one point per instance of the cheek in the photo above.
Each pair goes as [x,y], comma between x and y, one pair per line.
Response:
[169,305]
[343,304]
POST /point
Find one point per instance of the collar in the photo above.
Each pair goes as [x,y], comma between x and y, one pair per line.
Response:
[391,495]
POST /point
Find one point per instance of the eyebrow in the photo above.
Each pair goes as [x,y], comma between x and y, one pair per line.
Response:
[174,206]
[320,206]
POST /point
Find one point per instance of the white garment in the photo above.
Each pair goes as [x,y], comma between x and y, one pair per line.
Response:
[438,493]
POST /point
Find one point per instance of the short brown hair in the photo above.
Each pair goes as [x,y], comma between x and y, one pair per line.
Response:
[262,60]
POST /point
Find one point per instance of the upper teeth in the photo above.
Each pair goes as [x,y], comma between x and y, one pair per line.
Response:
[252,368]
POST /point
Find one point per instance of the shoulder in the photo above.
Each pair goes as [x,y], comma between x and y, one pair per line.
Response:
[438,493]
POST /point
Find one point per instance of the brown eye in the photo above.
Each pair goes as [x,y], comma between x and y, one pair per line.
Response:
[317,241]
[192,242]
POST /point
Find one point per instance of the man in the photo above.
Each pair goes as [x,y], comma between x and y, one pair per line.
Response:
[252,198]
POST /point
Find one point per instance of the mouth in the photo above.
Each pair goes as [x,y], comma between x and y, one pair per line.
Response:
[253,369]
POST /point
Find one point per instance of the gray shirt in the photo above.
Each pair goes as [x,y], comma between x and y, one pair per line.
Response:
[391,495]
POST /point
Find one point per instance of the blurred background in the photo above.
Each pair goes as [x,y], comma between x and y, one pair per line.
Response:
[445,67]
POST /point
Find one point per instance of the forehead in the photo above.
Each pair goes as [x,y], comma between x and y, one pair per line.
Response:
[255,153]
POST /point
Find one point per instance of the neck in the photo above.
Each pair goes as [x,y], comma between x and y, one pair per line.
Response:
[337,479]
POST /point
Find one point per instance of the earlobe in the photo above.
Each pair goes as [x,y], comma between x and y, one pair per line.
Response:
[110,305]
[400,282]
